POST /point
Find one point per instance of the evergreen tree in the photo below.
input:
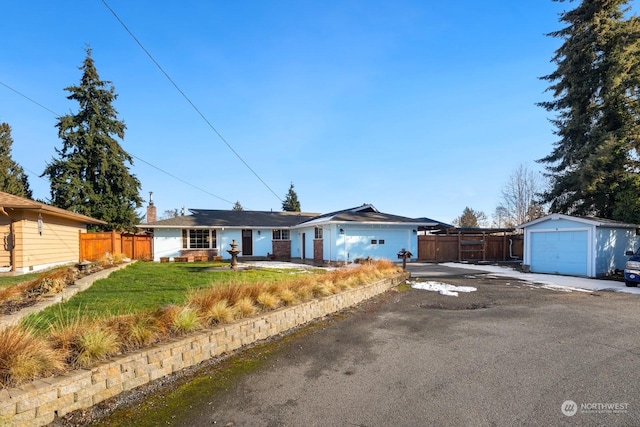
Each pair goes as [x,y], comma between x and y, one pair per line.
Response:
[594,165]
[237,206]
[471,218]
[291,203]
[91,176]
[12,177]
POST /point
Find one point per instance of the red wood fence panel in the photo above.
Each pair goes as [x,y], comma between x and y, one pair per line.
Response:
[94,246]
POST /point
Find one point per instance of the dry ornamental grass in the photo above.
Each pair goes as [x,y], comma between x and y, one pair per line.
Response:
[79,341]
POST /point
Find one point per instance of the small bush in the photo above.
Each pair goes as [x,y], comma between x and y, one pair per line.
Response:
[287,296]
[220,312]
[268,300]
[136,330]
[245,307]
[95,344]
[181,320]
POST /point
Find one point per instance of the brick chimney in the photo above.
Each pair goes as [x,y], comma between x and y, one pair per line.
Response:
[152,214]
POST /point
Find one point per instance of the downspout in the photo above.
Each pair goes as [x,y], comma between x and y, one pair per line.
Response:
[12,252]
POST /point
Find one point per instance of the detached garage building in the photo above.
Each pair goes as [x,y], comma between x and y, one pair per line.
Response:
[577,246]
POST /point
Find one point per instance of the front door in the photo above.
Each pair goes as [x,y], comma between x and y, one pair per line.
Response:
[304,245]
[247,242]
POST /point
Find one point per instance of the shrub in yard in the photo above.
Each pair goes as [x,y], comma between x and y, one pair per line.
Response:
[136,330]
[25,356]
[244,307]
[267,300]
[220,312]
[95,344]
[287,296]
[181,320]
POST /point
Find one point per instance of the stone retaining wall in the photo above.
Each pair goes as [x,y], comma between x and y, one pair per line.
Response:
[40,402]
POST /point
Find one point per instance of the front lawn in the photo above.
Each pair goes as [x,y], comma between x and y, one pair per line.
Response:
[146,286]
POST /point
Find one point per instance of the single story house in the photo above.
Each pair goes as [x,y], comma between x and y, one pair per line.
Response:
[577,246]
[37,236]
[341,236]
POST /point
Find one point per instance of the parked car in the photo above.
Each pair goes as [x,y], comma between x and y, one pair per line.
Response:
[632,269]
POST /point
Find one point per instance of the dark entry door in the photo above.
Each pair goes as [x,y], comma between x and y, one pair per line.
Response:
[304,245]
[247,242]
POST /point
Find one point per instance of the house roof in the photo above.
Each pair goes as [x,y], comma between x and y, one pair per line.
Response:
[206,218]
[367,214]
[588,220]
[9,202]
[232,219]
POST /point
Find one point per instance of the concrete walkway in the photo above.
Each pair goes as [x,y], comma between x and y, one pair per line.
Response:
[49,300]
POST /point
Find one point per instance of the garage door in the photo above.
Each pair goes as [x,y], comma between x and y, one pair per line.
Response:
[560,252]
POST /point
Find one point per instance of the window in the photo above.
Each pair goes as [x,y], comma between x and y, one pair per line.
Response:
[280,234]
[373,242]
[318,233]
[199,239]
[381,242]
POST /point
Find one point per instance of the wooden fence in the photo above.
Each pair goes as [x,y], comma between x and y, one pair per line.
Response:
[470,247]
[94,246]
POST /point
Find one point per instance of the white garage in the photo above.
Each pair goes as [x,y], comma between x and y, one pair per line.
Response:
[577,246]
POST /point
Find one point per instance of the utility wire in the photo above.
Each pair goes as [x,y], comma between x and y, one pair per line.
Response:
[136,157]
[26,97]
[188,100]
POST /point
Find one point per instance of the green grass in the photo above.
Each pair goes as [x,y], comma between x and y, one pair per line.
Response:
[6,281]
[146,286]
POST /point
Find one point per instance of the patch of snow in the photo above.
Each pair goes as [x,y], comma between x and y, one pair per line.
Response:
[552,280]
[442,288]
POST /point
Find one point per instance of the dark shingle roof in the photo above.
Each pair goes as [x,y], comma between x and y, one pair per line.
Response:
[230,218]
[365,214]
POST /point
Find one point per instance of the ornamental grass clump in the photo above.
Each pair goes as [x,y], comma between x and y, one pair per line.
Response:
[245,307]
[95,344]
[137,330]
[25,356]
[220,312]
[181,320]
[267,300]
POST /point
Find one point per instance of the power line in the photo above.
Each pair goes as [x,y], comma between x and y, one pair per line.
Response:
[26,97]
[187,99]
[136,157]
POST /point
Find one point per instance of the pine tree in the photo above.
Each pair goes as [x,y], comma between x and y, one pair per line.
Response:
[91,176]
[237,206]
[12,177]
[291,203]
[594,165]
[471,218]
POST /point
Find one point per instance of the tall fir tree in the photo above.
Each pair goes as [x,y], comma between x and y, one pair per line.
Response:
[593,167]
[291,203]
[91,175]
[12,177]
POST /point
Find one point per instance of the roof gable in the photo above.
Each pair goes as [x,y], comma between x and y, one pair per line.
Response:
[592,221]
[11,202]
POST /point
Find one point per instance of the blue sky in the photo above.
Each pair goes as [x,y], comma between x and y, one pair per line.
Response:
[418,107]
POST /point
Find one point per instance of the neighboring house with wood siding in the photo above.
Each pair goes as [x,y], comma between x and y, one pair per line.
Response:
[37,236]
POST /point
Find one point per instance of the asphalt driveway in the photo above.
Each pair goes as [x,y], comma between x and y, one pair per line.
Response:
[510,353]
